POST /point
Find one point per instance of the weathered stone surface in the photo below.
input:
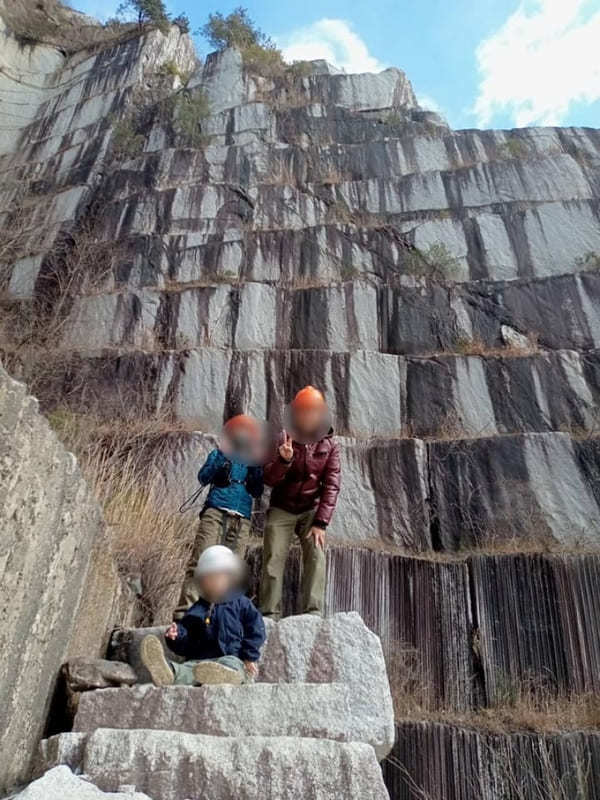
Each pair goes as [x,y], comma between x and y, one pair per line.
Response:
[172,765]
[52,531]
[83,674]
[433,760]
[534,487]
[309,662]
[449,493]
[59,783]
[308,710]
[555,641]
[420,609]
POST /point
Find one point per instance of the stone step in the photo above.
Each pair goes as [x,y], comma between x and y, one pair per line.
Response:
[458,763]
[505,240]
[307,710]
[189,206]
[307,663]
[170,766]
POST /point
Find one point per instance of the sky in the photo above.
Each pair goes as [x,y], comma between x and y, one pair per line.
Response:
[480,63]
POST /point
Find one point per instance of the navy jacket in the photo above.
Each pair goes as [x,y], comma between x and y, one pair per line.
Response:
[233,627]
[246,483]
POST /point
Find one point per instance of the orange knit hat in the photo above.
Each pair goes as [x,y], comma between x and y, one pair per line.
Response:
[243,422]
[309,397]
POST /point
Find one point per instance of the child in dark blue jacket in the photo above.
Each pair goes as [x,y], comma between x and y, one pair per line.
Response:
[220,636]
[235,479]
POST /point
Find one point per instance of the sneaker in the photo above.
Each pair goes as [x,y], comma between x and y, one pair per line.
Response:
[211,673]
[153,658]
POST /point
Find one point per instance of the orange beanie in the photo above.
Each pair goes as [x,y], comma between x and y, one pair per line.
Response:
[309,397]
[243,422]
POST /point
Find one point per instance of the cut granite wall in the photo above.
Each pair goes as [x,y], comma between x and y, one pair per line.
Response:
[441,286]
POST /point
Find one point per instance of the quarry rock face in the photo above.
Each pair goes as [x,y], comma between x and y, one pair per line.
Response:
[459,763]
[58,595]
[440,286]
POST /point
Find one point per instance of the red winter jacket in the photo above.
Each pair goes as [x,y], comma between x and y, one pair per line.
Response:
[312,478]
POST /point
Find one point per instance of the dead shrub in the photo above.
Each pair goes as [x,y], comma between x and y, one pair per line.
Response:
[412,695]
[150,541]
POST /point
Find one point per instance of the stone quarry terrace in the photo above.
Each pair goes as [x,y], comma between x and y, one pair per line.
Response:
[442,288]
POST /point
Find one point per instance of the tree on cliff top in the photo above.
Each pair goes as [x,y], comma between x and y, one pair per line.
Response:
[148,12]
[260,52]
[234,30]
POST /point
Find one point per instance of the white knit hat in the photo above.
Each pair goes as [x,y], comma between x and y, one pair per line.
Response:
[218,559]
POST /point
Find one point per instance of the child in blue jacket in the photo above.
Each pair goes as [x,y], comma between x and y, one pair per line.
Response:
[235,479]
[221,635]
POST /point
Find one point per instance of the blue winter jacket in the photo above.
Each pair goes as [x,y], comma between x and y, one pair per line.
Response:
[246,483]
[233,627]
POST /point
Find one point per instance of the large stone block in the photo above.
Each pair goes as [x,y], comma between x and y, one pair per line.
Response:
[54,551]
[308,661]
[308,710]
[170,765]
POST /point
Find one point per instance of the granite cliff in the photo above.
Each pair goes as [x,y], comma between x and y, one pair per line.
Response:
[441,286]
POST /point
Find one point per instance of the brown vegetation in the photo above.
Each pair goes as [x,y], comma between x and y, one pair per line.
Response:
[50,22]
[150,540]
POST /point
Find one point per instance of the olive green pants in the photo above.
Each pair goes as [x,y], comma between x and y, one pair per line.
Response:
[280,529]
[216,527]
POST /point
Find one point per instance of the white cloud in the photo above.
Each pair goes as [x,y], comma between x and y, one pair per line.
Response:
[543,59]
[429,103]
[331,39]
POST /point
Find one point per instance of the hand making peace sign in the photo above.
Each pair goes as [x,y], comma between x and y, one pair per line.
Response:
[286,450]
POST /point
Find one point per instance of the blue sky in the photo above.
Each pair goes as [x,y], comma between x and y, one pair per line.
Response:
[482,63]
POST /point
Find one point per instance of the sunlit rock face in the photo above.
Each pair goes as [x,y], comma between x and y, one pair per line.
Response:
[440,286]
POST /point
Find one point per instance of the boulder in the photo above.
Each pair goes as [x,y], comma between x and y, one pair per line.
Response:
[54,546]
[59,783]
[171,766]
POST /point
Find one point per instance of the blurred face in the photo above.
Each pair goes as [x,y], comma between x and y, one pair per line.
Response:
[308,420]
[247,445]
[216,585]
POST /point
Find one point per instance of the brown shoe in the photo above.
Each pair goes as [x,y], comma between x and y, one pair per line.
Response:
[211,673]
[153,658]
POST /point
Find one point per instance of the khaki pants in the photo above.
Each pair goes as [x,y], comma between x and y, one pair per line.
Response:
[216,527]
[280,528]
[184,673]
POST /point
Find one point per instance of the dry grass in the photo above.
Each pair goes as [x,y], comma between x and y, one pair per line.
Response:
[474,346]
[150,539]
[19,230]
[281,173]
[521,706]
[50,22]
